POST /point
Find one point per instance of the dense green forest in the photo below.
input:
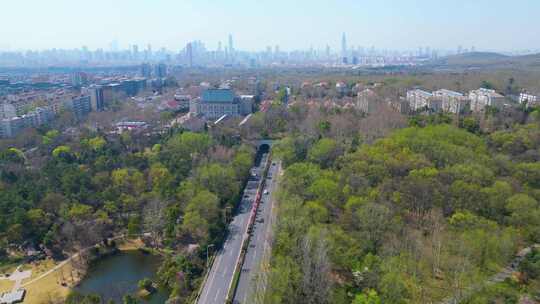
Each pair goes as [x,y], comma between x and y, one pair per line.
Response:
[414,217]
[368,211]
[72,192]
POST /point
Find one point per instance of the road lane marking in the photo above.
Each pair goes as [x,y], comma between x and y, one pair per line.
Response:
[217,294]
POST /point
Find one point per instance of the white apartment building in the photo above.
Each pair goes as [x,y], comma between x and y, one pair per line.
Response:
[7,110]
[529,99]
[418,99]
[366,101]
[452,102]
[484,97]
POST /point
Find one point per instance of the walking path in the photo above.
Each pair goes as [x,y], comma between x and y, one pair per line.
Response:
[63,263]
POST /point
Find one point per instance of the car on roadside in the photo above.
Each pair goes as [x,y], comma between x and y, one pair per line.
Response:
[266,192]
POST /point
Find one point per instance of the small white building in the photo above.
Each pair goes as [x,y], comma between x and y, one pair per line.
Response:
[15,296]
[131,126]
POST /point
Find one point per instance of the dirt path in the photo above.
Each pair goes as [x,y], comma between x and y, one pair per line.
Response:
[63,263]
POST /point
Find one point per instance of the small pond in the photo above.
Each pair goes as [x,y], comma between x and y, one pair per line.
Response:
[114,276]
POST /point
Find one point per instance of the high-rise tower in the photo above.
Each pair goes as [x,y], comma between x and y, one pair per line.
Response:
[189,54]
[344,49]
[344,45]
[231,46]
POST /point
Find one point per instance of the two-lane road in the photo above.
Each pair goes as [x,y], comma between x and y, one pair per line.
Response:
[221,274]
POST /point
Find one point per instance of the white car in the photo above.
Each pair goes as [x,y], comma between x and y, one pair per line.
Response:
[266,191]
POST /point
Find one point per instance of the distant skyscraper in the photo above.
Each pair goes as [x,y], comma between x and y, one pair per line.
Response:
[161,70]
[136,52]
[114,45]
[189,54]
[146,70]
[219,47]
[231,45]
[344,49]
[344,45]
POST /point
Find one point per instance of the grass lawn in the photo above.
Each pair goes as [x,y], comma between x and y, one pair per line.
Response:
[130,244]
[42,290]
[49,286]
[6,285]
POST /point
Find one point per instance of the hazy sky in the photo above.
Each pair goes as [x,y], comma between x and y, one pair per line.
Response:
[292,24]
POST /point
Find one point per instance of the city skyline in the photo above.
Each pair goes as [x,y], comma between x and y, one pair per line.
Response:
[386,24]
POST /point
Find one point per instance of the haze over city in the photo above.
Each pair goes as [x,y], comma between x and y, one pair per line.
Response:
[487,25]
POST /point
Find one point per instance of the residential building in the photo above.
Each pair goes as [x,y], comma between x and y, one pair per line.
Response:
[531,100]
[78,79]
[161,70]
[484,97]
[183,101]
[214,103]
[80,106]
[97,101]
[146,70]
[43,115]
[131,126]
[246,104]
[418,99]
[12,126]
[400,106]
[434,104]
[366,101]
[452,102]
[132,87]
[7,111]
[112,93]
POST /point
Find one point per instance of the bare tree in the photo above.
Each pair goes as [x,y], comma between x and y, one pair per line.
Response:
[316,283]
[154,219]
